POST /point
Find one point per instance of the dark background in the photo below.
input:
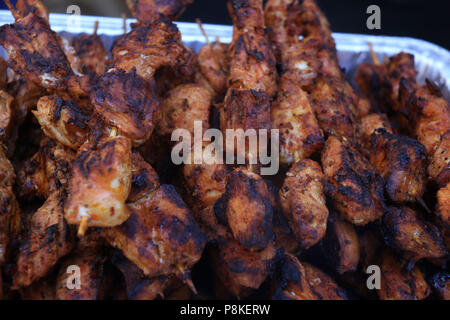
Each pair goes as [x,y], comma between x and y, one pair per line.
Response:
[428,20]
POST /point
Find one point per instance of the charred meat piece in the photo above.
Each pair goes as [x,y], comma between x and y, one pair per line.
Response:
[439,167]
[63,120]
[291,281]
[148,10]
[354,186]
[26,7]
[160,236]
[300,134]
[247,210]
[100,183]
[49,238]
[214,64]
[405,230]
[397,283]
[91,52]
[149,46]
[89,257]
[322,285]
[183,106]
[441,284]
[46,172]
[3,74]
[144,178]
[127,102]
[401,161]
[443,205]
[331,108]
[7,175]
[367,125]
[10,222]
[240,270]
[34,52]
[340,246]
[303,202]
[7,120]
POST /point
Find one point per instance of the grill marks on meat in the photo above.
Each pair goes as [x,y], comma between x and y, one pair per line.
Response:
[303,202]
[352,183]
[49,238]
[90,50]
[100,183]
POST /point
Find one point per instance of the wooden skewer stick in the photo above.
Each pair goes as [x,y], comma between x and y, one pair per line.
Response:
[13,9]
[423,204]
[217,39]
[187,279]
[82,228]
[124,18]
[200,25]
[373,54]
[113,132]
[95,28]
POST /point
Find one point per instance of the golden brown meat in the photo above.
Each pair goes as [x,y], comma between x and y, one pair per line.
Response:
[300,134]
[247,210]
[149,46]
[161,236]
[401,161]
[127,102]
[439,167]
[340,246]
[405,230]
[3,74]
[214,64]
[100,183]
[441,284]
[7,175]
[370,79]
[322,285]
[148,10]
[26,7]
[240,270]
[63,120]
[144,178]
[183,106]
[7,120]
[331,107]
[291,280]
[354,186]
[91,52]
[46,172]
[397,283]
[9,221]
[443,205]
[303,202]
[89,257]
[49,238]
[367,125]
[34,52]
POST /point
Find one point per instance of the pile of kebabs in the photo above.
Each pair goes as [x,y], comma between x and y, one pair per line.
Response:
[87,181]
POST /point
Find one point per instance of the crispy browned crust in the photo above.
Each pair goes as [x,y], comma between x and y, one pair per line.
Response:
[291,281]
[353,184]
[49,238]
[405,230]
[161,236]
[247,210]
[35,52]
[303,202]
[63,120]
[322,285]
[144,178]
[89,257]
[439,167]
[92,54]
[340,246]
[367,125]
[26,7]
[401,161]
[46,172]
[370,79]
[184,105]
[149,46]
[149,10]
[397,283]
[100,183]
[3,74]
[7,174]
[10,221]
[127,102]
[240,270]
[214,64]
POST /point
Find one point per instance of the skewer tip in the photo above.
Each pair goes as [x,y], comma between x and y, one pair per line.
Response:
[423,204]
[373,55]
[95,28]
[83,226]
[200,25]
